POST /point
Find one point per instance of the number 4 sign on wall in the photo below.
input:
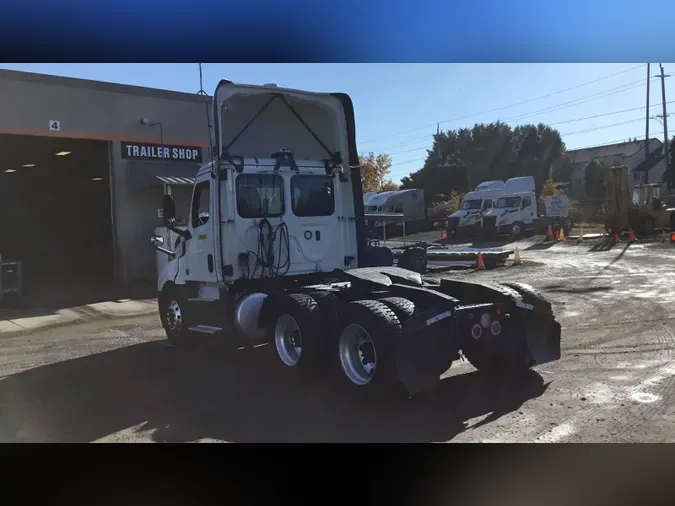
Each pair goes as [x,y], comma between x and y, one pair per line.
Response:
[54,125]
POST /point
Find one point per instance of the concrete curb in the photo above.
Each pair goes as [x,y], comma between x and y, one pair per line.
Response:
[77,315]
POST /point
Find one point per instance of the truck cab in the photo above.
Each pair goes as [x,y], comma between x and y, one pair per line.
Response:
[275,201]
[467,220]
[515,210]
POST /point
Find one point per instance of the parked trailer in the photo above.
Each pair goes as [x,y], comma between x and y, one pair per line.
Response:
[275,252]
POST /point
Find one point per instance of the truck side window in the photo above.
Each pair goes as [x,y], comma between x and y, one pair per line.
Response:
[201,204]
[527,202]
[260,195]
[487,204]
[398,208]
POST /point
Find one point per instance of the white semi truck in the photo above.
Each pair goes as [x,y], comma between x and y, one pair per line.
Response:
[467,220]
[275,252]
[517,211]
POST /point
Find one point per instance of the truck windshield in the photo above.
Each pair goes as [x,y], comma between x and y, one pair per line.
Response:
[508,202]
[471,204]
[312,195]
[639,195]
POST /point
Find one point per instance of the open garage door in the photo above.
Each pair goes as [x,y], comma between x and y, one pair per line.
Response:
[55,212]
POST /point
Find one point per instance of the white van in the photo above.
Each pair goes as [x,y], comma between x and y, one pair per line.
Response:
[467,220]
[515,211]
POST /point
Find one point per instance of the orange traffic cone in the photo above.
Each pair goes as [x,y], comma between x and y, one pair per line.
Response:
[444,234]
[581,235]
[631,235]
[603,240]
[480,265]
[561,235]
[516,256]
[549,234]
[617,239]
[672,237]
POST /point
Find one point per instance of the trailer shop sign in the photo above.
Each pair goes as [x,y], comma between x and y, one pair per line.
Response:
[144,151]
[557,206]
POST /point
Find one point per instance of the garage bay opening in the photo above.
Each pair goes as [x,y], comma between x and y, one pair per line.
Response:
[55,216]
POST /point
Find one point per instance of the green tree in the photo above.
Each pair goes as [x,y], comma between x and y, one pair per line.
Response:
[461,159]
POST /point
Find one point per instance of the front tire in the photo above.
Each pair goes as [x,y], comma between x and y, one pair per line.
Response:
[517,229]
[172,314]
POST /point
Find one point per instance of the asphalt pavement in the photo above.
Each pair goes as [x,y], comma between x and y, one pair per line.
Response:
[117,380]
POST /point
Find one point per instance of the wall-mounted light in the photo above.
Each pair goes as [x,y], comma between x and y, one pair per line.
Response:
[28,165]
[10,170]
[97,179]
[63,153]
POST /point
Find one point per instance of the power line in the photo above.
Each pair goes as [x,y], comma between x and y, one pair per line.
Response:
[567,121]
[611,125]
[583,100]
[557,107]
[566,135]
[608,143]
[507,106]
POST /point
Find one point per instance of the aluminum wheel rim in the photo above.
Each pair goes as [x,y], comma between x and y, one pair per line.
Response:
[516,229]
[357,355]
[288,340]
[174,318]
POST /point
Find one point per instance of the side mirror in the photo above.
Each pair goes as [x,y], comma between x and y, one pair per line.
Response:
[169,209]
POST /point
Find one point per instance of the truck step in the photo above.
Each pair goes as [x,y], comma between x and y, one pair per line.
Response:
[202,299]
[206,329]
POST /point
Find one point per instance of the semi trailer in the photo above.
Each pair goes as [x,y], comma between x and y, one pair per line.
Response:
[275,252]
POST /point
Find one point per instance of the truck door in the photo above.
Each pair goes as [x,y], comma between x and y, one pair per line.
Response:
[527,210]
[316,235]
[200,261]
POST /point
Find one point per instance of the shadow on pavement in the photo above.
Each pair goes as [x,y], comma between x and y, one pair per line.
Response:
[577,290]
[236,396]
[541,246]
[48,298]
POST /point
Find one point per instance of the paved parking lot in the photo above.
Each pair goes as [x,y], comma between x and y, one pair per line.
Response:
[119,381]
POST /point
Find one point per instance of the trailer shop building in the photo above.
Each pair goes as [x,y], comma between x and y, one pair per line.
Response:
[83,166]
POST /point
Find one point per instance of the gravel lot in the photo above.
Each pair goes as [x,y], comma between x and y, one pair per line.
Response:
[119,381]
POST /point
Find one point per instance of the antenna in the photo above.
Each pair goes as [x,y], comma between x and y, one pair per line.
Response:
[201,81]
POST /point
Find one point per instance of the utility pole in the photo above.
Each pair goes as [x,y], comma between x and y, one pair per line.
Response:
[663,76]
[647,114]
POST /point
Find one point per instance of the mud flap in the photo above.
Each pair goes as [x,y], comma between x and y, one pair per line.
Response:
[419,361]
[543,340]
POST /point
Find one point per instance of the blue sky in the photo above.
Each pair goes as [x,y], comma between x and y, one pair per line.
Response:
[397,106]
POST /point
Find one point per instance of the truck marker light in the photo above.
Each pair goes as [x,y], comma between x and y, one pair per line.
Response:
[485,320]
[496,328]
[476,331]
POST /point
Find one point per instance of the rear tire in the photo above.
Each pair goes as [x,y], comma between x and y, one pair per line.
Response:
[380,256]
[647,226]
[414,259]
[402,308]
[296,333]
[367,348]
[530,296]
